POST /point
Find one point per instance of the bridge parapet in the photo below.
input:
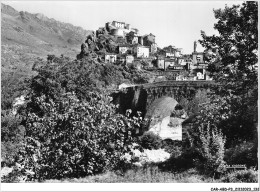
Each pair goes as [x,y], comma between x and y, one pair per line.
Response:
[196,84]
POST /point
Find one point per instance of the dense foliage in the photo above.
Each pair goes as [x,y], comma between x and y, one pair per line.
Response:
[244,153]
[12,86]
[76,138]
[227,116]
[12,138]
[233,106]
[72,128]
[245,176]
[69,128]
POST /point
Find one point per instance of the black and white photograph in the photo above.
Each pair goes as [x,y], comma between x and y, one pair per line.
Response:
[159,94]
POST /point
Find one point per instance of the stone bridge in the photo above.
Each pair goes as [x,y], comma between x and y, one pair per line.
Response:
[140,97]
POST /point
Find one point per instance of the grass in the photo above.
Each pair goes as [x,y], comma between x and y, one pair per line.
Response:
[152,174]
[141,175]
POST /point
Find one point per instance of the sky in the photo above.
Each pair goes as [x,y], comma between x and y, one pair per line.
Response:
[176,23]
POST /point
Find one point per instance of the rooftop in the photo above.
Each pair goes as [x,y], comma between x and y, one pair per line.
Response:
[119,22]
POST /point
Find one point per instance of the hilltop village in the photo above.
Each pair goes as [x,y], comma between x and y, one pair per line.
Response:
[119,43]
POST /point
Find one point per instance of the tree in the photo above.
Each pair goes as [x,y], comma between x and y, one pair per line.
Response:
[76,138]
[236,47]
[72,128]
[233,67]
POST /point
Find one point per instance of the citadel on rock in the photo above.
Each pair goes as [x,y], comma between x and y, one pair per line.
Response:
[119,43]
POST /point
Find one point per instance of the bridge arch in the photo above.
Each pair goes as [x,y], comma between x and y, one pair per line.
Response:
[140,97]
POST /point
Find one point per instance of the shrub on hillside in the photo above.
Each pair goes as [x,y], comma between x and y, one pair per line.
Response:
[149,140]
[12,138]
[244,176]
[12,85]
[244,153]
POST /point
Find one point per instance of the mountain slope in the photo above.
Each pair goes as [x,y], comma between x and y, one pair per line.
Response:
[25,37]
[39,32]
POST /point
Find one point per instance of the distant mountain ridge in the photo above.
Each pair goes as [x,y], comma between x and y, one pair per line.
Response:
[40,26]
[27,38]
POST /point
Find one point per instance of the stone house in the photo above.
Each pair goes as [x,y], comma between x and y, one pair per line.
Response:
[148,39]
[178,52]
[200,76]
[121,59]
[169,62]
[171,51]
[197,58]
[122,49]
[153,48]
[118,32]
[117,28]
[110,58]
[132,37]
[141,51]
[165,63]
[129,59]
[141,40]
[199,73]
[169,54]
[160,63]
[118,24]
[185,60]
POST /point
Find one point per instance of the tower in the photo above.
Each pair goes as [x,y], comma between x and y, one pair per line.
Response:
[195,46]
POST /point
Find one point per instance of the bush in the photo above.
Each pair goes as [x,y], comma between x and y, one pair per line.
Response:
[149,140]
[211,148]
[182,162]
[244,153]
[172,147]
[244,176]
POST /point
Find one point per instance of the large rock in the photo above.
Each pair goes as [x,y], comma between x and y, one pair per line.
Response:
[166,118]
